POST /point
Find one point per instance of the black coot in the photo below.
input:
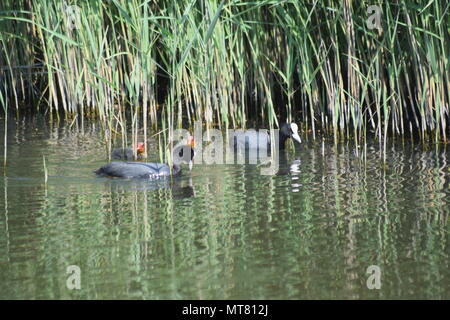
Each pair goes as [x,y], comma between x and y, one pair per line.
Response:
[259,140]
[127,153]
[149,170]
[288,130]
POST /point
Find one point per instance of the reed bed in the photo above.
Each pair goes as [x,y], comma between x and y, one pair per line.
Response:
[163,64]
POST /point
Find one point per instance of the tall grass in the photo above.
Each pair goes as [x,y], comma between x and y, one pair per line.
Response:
[140,64]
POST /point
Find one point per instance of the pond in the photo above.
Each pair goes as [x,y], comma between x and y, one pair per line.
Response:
[223,231]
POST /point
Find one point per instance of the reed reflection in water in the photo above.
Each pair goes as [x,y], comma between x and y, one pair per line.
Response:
[224,231]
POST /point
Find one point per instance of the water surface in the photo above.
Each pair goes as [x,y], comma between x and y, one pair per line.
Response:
[223,231]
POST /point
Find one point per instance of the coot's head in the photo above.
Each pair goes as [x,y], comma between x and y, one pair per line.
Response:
[185,153]
[289,130]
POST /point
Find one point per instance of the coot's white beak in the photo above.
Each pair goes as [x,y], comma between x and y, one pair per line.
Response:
[295,135]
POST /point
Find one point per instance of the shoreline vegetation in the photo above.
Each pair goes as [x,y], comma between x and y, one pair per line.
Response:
[135,65]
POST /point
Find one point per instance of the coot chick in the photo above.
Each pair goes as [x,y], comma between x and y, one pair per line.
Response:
[127,153]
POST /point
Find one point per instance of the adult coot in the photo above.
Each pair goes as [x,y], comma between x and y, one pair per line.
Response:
[127,153]
[261,140]
[148,170]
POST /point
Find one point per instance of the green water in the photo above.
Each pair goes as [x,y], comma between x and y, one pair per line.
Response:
[223,231]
